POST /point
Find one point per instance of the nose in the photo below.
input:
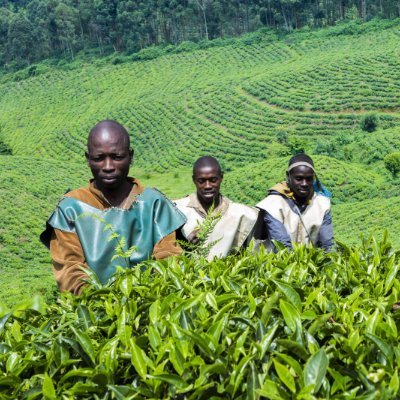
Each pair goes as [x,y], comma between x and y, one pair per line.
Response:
[304,183]
[207,184]
[108,164]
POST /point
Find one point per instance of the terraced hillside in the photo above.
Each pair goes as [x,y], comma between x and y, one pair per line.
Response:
[251,102]
[232,101]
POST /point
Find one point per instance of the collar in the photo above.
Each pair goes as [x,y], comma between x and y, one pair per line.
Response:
[137,188]
[195,204]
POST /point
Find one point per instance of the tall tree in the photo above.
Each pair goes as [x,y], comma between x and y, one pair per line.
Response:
[20,42]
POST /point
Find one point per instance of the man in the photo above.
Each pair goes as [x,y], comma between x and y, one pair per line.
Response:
[236,222]
[89,223]
[298,210]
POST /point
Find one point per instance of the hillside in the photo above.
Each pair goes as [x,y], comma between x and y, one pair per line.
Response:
[238,102]
[251,102]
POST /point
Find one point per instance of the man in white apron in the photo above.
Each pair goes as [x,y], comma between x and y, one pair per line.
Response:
[298,210]
[237,221]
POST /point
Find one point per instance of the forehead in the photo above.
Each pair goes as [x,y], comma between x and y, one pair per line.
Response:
[207,171]
[105,141]
[302,170]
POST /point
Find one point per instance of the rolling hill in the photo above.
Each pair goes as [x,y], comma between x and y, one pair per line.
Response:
[251,102]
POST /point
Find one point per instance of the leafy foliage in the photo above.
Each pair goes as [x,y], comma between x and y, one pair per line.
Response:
[32,30]
[259,325]
[392,163]
[369,122]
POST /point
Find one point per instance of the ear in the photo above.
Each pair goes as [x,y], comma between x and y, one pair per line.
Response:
[87,156]
[194,178]
[222,176]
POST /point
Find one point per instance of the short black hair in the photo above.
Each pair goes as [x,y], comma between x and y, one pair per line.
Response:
[207,161]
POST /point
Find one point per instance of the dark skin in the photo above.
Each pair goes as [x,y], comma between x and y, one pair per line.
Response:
[208,179]
[300,181]
[109,158]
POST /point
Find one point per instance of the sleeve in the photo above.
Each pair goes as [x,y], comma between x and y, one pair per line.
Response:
[167,247]
[325,236]
[277,231]
[68,259]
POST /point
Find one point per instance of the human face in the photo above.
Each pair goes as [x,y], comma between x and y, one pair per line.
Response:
[300,181]
[109,159]
[208,180]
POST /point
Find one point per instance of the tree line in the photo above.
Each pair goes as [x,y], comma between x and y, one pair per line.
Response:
[31,30]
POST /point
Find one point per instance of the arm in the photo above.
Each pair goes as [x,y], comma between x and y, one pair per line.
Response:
[67,254]
[277,231]
[325,235]
[167,247]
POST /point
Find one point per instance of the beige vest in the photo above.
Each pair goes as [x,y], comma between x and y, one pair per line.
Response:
[230,232]
[304,229]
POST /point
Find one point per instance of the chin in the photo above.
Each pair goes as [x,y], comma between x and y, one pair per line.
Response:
[208,200]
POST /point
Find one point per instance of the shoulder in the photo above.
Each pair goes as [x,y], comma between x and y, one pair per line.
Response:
[153,198]
[322,201]
[184,201]
[272,200]
[153,194]
[243,210]
[81,194]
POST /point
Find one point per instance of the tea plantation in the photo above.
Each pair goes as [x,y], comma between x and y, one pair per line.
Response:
[251,102]
[274,326]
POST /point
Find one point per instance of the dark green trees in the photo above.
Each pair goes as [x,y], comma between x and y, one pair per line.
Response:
[31,30]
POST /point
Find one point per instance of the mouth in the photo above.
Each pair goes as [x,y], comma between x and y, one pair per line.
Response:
[109,179]
[304,191]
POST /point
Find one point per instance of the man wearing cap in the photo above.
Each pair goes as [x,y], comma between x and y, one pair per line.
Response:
[237,221]
[113,211]
[298,210]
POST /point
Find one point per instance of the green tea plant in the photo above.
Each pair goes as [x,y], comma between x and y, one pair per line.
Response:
[295,324]
[228,100]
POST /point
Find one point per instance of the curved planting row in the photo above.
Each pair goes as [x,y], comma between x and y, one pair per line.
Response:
[362,82]
[235,101]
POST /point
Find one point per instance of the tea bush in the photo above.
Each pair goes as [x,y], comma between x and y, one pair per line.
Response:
[301,324]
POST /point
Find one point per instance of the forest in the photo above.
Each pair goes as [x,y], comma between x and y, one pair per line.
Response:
[33,30]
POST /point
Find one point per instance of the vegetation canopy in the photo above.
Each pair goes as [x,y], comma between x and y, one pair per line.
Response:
[260,325]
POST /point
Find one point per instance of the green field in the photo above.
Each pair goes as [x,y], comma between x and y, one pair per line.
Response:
[251,102]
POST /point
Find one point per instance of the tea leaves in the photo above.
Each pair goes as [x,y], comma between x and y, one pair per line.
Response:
[299,324]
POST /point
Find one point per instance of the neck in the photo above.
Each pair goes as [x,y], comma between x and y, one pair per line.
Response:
[117,196]
[303,200]
[214,203]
